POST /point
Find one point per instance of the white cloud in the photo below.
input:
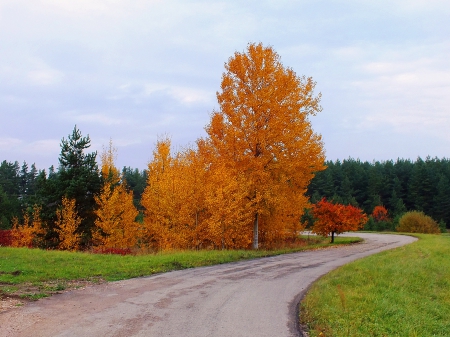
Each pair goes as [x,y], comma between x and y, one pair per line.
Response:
[45,76]
[185,95]
[43,147]
[191,95]
[95,118]
[8,143]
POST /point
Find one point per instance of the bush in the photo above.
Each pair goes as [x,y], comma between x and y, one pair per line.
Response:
[417,222]
[5,238]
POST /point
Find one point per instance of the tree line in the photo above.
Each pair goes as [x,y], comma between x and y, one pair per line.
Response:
[401,185]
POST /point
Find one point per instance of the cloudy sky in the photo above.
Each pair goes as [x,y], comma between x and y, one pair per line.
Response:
[137,70]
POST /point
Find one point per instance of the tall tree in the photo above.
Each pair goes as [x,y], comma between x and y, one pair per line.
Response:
[10,205]
[262,129]
[158,198]
[79,179]
[116,213]
[67,224]
[173,199]
[441,200]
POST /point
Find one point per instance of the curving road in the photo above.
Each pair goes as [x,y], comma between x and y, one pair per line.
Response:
[249,298]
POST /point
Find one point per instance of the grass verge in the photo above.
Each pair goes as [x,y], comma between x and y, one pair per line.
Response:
[402,292]
[35,273]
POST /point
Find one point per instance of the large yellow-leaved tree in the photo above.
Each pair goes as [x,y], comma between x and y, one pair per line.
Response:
[262,132]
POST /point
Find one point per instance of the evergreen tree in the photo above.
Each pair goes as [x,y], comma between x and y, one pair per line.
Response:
[136,181]
[79,179]
[9,193]
[6,209]
[441,201]
[346,192]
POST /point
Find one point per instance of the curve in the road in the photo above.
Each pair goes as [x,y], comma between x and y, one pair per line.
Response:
[248,298]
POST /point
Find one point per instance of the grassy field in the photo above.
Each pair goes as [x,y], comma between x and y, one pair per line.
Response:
[35,273]
[402,292]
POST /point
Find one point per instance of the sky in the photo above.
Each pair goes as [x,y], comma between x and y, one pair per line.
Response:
[138,70]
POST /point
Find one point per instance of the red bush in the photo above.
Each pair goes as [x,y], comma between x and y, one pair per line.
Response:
[5,238]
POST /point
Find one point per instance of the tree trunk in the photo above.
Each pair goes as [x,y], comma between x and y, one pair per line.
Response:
[255,232]
[332,237]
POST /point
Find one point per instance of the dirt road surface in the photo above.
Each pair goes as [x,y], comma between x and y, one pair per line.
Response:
[251,298]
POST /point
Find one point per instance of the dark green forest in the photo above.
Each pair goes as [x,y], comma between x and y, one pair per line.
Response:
[400,186]
[22,186]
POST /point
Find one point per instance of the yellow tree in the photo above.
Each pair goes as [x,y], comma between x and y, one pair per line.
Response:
[154,198]
[27,234]
[228,209]
[116,213]
[262,129]
[193,183]
[171,202]
[67,223]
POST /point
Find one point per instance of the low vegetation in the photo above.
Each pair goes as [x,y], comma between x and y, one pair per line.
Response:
[402,292]
[417,222]
[35,273]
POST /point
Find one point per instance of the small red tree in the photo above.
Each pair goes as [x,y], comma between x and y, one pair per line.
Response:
[336,218]
[380,213]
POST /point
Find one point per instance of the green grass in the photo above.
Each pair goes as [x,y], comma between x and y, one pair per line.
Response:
[402,292]
[35,273]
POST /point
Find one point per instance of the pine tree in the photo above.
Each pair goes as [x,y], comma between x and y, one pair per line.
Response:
[441,201]
[79,179]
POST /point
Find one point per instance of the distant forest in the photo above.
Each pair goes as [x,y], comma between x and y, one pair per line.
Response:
[400,186]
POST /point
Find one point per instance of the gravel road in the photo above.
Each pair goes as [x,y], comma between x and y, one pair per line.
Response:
[251,298]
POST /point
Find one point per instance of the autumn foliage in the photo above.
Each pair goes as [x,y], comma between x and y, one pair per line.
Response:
[417,222]
[116,226]
[67,223]
[241,186]
[5,238]
[26,234]
[336,218]
[262,133]
[380,213]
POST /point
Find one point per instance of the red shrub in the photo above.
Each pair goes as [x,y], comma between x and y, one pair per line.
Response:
[5,238]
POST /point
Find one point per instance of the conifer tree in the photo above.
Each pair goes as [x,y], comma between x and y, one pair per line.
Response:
[78,178]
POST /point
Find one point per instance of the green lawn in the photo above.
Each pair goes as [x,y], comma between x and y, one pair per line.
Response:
[402,292]
[36,273]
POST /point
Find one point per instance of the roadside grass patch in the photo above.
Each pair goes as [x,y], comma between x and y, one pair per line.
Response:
[35,273]
[401,292]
